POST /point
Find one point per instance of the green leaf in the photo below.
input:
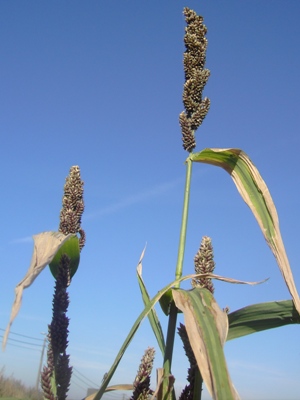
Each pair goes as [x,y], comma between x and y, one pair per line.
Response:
[165,302]
[144,314]
[260,317]
[255,193]
[153,318]
[207,326]
[130,336]
[71,249]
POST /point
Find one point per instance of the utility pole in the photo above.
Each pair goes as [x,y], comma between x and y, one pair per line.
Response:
[41,362]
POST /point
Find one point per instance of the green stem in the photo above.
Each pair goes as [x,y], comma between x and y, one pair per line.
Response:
[198,386]
[169,394]
[182,239]
[170,335]
[178,274]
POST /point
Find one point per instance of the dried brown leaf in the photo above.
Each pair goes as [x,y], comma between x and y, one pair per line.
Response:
[46,245]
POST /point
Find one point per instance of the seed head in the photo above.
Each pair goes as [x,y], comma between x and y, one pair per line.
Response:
[204,264]
[188,392]
[142,381]
[73,205]
[196,77]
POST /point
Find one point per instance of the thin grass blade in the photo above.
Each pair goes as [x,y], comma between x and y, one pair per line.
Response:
[144,314]
[152,316]
[130,336]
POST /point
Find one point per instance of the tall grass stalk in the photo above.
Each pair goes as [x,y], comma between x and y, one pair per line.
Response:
[172,323]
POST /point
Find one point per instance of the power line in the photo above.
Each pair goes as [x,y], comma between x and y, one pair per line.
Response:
[78,377]
[22,347]
[114,395]
[88,381]
[76,384]
[21,341]
[91,382]
[19,334]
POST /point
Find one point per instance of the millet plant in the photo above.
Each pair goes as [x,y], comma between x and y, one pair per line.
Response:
[206,326]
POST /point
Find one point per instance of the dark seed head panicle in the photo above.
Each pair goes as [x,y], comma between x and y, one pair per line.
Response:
[141,383]
[196,77]
[204,264]
[73,205]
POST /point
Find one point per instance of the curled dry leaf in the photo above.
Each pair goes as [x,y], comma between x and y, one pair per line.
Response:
[256,195]
[223,279]
[112,388]
[46,245]
[207,327]
[139,266]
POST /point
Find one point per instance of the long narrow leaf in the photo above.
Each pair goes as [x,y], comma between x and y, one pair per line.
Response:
[130,336]
[207,326]
[260,317]
[144,314]
[153,318]
[255,193]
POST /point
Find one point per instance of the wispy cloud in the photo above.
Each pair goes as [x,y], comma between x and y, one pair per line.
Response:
[257,368]
[26,239]
[128,201]
[84,364]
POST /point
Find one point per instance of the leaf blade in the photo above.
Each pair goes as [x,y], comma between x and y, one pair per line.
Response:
[260,317]
[207,327]
[256,194]
[46,245]
[144,314]
[152,316]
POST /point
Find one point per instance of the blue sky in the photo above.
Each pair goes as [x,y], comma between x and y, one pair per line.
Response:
[99,84]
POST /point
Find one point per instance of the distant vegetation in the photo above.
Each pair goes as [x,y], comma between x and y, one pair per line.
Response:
[12,388]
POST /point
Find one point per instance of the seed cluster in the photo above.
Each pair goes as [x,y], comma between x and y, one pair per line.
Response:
[196,77]
[204,264]
[73,205]
[188,391]
[57,359]
[142,381]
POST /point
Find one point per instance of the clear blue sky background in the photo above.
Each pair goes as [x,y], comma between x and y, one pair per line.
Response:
[99,84]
